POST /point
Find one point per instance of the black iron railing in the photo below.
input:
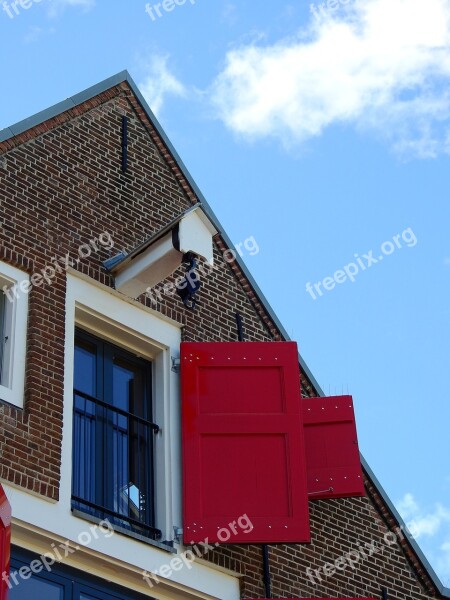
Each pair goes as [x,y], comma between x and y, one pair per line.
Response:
[113,465]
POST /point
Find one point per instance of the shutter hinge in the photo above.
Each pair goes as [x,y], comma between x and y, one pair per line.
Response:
[176,362]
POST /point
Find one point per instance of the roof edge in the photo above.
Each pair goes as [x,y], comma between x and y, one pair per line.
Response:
[60,107]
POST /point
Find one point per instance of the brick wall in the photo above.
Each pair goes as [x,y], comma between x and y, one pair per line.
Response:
[338,527]
[61,186]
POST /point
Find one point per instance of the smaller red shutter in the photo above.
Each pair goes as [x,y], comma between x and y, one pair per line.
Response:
[243,452]
[332,455]
[5,542]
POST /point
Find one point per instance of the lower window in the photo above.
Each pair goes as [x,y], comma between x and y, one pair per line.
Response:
[37,587]
[113,436]
[58,582]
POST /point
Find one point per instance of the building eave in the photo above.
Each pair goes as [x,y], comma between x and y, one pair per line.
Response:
[61,107]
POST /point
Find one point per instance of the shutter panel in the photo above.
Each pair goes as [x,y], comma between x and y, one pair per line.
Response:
[243,451]
[332,454]
[5,541]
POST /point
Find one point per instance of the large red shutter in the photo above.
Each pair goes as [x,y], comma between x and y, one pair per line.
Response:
[5,542]
[243,451]
[332,454]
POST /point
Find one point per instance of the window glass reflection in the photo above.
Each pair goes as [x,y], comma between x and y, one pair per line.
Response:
[32,589]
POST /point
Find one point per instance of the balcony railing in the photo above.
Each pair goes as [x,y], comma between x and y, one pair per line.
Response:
[113,465]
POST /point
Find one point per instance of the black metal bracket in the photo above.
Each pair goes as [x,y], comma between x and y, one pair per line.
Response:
[240,327]
[187,289]
[124,144]
[266,571]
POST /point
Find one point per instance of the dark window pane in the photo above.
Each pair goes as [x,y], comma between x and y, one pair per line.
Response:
[2,331]
[129,386]
[32,589]
[122,381]
[85,371]
[85,461]
[112,455]
[84,454]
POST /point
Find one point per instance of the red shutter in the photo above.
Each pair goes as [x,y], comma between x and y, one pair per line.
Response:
[5,542]
[332,454]
[243,452]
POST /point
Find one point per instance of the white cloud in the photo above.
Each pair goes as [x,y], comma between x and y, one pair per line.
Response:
[407,506]
[229,14]
[431,527]
[420,522]
[429,524]
[58,6]
[160,82]
[34,34]
[382,65]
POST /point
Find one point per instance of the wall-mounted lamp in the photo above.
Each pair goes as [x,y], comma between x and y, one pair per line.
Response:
[190,235]
[187,289]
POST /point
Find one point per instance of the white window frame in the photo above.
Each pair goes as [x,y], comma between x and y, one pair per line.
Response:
[12,383]
[113,317]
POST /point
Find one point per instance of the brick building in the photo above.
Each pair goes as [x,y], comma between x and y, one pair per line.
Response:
[95,204]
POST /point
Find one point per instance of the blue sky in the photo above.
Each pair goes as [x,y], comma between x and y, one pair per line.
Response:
[325,135]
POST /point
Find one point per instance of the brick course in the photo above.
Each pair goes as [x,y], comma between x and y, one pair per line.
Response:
[62,186]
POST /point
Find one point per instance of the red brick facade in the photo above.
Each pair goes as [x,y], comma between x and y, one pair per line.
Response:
[61,186]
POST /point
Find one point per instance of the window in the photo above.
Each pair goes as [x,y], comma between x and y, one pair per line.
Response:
[113,435]
[13,330]
[103,312]
[60,583]
[32,588]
